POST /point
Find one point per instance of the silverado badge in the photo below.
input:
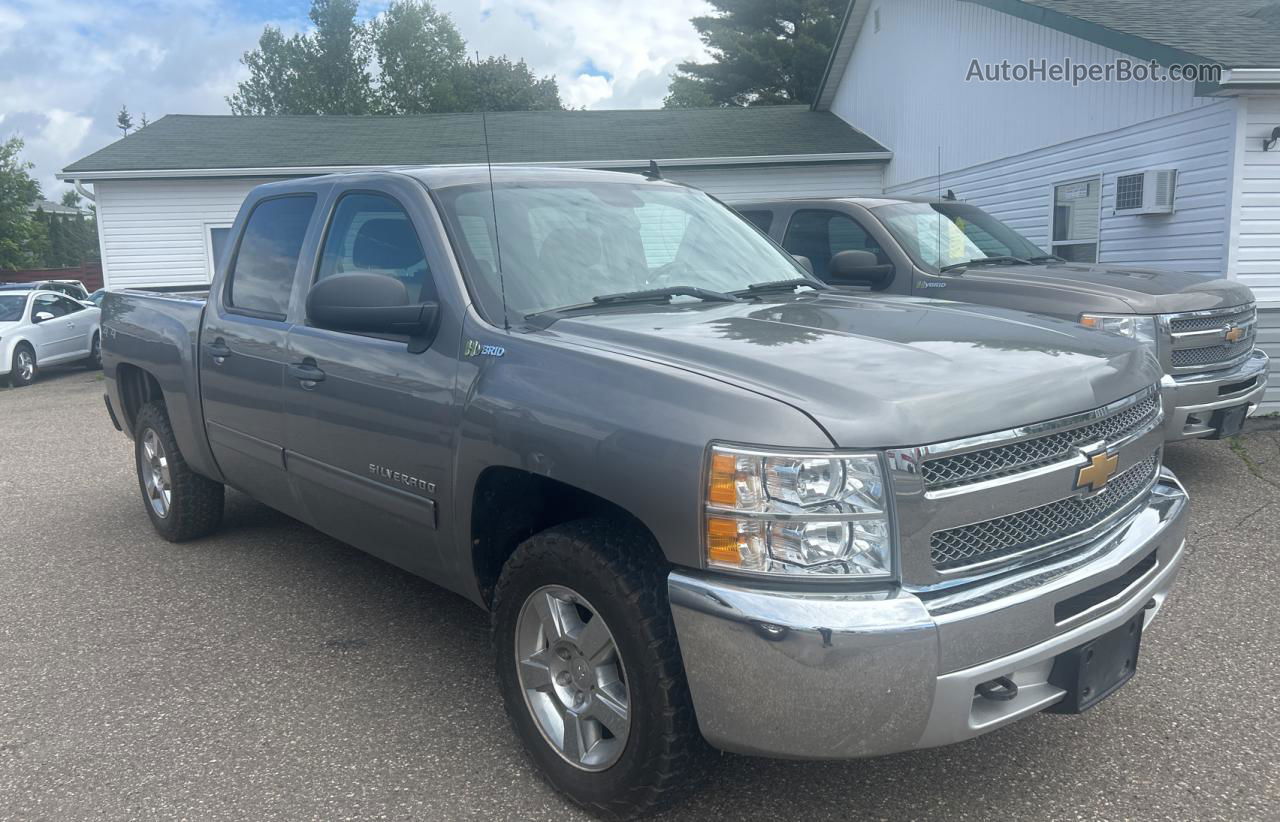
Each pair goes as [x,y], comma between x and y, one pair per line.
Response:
[1233,333]
[1094,476]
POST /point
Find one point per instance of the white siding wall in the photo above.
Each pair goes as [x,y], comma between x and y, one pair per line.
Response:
[806,180]
[1198,143]
[1257,252]
[905,87]
[153,231]
[1257,246]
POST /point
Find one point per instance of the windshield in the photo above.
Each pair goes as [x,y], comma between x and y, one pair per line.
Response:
[942,234]
[11,306]
[563,244]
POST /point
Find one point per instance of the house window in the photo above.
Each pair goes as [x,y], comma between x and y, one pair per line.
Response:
[1076,213]
[217,238]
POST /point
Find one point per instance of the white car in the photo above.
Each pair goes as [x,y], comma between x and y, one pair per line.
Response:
[41,328]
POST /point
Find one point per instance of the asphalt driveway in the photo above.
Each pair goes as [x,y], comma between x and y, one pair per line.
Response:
[272,673]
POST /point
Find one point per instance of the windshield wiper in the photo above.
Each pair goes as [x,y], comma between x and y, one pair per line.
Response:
[1046,258]
[781,285]
[664,295]
[1003,258]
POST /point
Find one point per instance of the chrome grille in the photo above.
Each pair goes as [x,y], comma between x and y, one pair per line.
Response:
[1027,454]
[1198,338]
[1040,527]
[1179,325]
[1211,355]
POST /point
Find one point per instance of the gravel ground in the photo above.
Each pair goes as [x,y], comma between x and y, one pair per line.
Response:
[272,673]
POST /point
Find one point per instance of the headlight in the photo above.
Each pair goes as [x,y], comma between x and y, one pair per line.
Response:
[1137,326]
[798,513]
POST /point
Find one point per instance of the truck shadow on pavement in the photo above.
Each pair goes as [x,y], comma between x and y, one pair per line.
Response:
[413,644]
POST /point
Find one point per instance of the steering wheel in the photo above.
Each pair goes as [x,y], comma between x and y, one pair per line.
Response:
[665,275]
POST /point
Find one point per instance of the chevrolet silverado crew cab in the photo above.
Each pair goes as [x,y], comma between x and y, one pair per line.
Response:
[706,497]
[1202,329]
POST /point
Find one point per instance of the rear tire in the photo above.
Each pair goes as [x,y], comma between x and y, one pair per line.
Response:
[596,570]
[23,368]
[182,504]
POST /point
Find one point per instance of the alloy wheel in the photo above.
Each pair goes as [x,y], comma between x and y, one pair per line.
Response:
[155,474]
[573,678]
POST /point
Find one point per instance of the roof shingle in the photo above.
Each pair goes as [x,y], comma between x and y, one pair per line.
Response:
[225,142]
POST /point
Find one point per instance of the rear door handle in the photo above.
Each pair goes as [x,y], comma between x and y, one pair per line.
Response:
[306,371]
[218,350]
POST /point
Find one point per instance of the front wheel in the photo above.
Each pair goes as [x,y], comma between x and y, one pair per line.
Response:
[93,362]
[182,504]
[590,668]
[22,370]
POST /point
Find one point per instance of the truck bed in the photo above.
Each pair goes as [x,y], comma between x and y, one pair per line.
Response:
[159,332]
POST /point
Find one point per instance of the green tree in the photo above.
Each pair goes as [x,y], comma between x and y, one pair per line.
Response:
[408,60]
[124,121]
[22,239]
[764,52]
[321,72]
[419,53]
[497,84]
[71,198]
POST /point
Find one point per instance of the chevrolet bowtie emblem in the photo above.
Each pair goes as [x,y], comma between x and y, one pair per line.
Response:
[1095,475]
[1234,333]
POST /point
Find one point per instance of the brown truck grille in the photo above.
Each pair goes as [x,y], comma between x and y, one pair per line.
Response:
[1044,526]
[1027,454]
[1181,324]
[1210,351]
[1211,355]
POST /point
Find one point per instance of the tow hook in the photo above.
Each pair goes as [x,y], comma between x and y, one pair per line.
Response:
[1000,689]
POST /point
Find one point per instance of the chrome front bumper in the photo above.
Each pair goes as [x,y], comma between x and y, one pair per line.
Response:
[1190,399]
[829,675]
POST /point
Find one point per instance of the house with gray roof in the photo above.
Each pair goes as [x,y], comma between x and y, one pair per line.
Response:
[167,194]
[984,98]
[1128,167]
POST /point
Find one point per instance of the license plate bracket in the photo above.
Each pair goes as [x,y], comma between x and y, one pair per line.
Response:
[1227,422]
[1095,670]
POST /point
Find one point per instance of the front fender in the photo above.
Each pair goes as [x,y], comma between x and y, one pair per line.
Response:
[631,431]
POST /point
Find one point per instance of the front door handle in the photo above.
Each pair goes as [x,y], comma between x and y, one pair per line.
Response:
[306,371]
[218,350]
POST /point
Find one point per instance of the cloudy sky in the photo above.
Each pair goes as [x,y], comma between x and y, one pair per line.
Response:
[66,66]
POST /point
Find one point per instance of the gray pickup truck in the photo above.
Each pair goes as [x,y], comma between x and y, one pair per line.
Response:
[1203,329]
[706,497]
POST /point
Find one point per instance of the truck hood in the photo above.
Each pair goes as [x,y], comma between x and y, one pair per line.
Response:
[1143,290]
[880,372]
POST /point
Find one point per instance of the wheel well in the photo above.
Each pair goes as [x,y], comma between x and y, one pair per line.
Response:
[510,505]
[137,388]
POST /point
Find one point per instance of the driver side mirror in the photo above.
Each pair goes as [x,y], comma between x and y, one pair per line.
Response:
[804,261]
[371,303]
[858,267]
[42,316]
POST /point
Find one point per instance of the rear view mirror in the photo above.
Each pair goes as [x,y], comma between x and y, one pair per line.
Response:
[42,316]
[369,303]
[858,267]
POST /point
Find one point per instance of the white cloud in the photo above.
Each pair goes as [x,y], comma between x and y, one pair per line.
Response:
[66,66]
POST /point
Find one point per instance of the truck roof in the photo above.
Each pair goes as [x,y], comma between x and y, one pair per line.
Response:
[479,174]
[866,202]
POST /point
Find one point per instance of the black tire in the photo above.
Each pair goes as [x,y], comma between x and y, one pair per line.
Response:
[623,575]
[16,379]
[93,362]
[194,506]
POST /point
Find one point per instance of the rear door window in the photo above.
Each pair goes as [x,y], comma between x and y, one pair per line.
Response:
[760,219]
[263,270]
